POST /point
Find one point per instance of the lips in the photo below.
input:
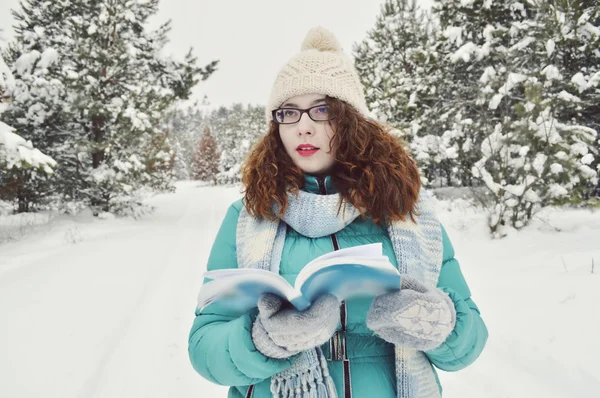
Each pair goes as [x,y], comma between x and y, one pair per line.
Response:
[306,149]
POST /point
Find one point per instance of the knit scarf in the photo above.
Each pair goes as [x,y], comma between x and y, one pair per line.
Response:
[418,250]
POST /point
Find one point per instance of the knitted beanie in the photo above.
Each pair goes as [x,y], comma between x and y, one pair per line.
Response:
[321,67]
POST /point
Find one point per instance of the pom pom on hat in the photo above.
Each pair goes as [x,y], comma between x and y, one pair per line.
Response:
[320,39]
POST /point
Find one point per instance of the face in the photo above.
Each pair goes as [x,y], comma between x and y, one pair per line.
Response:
[307,141]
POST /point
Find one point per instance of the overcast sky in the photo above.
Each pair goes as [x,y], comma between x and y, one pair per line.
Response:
[251,39]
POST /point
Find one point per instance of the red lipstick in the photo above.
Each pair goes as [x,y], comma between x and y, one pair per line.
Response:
[306,149]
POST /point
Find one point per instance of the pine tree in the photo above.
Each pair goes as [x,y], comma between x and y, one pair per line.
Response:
[236,129]
[535,151]
[474,37]
[24,170]
[572,42]
[206,158]
[398,65]
[186,127]
[115,90]
[504,96]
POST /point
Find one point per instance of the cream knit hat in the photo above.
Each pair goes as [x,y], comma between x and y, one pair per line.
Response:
[321,67]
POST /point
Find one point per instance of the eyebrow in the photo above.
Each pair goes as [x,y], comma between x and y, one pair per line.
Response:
[313,103]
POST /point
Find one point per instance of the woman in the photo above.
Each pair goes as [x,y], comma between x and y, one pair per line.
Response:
[326,177]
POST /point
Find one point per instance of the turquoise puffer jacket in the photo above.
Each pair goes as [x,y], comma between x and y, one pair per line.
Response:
[220,344]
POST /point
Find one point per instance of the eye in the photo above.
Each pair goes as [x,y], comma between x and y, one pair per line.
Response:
[290,112]
[322,110]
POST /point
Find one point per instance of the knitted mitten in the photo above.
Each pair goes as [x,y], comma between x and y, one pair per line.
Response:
[282,332]
[417,316]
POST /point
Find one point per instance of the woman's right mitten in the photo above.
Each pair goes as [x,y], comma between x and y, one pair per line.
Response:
[282,332]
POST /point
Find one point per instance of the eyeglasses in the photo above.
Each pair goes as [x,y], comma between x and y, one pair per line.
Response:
[319,113]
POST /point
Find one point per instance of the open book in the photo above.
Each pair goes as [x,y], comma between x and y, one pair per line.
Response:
[347,273]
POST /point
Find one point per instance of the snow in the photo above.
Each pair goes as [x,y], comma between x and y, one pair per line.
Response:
[102,307]
[587,171]
[49,56]
[591,30]
[550,45]
[580,81]
[6,78]
[556,168]
[563,95]
[512,80]
[24,64]
[552,73]
[488,32]
[454,33]
[139,120]
[412,101]
[72,75]
[464,52]
[495,101]
[539,162]
[15,150]
[516,6]
[488,74]
[523,43]
[594,80]
[587,159]
[557,190]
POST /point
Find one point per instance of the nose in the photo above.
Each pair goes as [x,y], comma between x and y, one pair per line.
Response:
[305,125]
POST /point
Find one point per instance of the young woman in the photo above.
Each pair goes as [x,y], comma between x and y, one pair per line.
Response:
[327,177]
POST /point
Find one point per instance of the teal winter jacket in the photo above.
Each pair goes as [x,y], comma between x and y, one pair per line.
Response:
[220,344]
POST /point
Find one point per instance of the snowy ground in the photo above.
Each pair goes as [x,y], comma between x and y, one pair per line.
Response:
[102,308]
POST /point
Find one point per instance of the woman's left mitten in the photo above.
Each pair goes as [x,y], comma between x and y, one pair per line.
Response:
[417,316]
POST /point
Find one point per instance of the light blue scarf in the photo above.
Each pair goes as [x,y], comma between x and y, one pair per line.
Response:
[418,249]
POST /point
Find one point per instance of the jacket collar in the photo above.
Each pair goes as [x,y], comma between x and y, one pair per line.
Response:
[311,184]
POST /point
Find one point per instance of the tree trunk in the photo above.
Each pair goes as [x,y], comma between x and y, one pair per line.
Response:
[98,137]
[98,156]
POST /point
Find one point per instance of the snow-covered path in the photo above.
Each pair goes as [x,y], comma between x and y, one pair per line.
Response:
[109,316]
[102,308]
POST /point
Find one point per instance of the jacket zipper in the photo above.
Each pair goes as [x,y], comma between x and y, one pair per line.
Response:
[337,343]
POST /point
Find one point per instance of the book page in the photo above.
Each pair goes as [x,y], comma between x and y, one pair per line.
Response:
[239,289]
[380,261]
[227,272]
[351,279]
[370,250]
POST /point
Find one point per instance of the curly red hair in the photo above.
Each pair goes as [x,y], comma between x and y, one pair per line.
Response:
[372,170]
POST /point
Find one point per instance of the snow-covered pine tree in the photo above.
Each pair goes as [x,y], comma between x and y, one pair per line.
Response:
[391,62]
[474,36]
[571,31]
[24,169]
[205,164]
[117,87]
[236,129]
[539,151]
[185,127]
[225,123]
[398,65]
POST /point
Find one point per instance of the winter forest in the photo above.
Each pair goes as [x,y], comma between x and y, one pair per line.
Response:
[497,97]
[498,101]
